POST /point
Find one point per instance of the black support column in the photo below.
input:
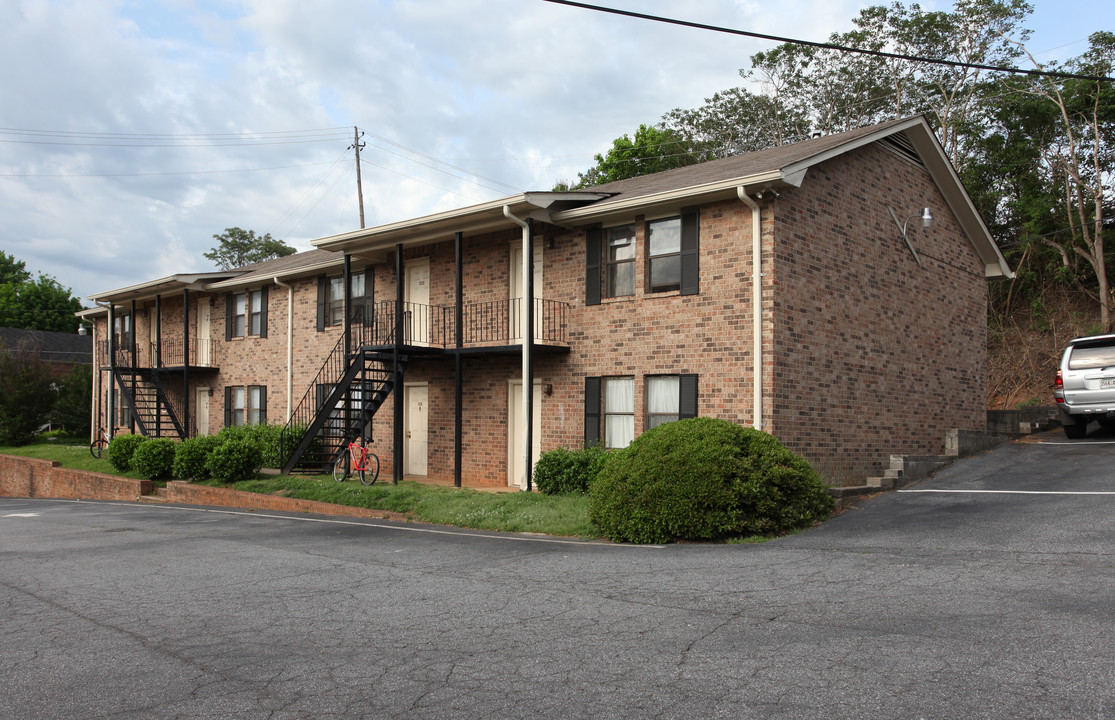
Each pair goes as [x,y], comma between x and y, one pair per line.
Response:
[397,421]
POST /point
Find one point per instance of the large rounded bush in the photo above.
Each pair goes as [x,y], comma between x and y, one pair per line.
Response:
[192,456]
[121,449]
[704,479]
[155,458]
[568,472]
[234,460]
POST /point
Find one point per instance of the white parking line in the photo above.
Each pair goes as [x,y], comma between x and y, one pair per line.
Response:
[1077,443]
[1014,492]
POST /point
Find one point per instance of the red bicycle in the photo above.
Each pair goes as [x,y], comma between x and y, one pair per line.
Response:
[357,458]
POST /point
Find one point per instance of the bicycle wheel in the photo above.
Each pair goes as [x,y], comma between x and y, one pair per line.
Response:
[96,448]
[340,468]
[370,473]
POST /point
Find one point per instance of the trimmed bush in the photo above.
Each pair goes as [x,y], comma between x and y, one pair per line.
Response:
[705,479]
[568,472]
[234,460]
[265,437]
[121,449]
[154,458]
[191,457]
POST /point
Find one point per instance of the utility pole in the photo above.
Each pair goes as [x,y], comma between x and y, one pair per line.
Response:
[357,145]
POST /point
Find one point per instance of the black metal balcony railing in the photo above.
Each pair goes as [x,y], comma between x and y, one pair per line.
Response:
[500,322]
[149,356]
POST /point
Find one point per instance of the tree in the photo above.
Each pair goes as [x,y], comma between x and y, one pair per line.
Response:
[74,402]
[654,149]
[243,247]
[26,393]
[40,305]
[12,271]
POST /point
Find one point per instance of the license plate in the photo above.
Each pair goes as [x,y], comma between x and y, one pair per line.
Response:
[1107,382]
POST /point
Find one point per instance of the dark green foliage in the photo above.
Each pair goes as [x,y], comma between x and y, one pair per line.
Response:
[155,458]
[265,437]
[705,479]
[568,472]
[73,402]
[234,460]
[42,304]
[239,247]
[122,449]
[26,394]
[191,458]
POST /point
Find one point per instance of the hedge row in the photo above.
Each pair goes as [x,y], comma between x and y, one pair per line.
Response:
[235,453]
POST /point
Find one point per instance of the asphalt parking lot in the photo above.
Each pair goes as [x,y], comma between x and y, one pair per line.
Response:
[983,592]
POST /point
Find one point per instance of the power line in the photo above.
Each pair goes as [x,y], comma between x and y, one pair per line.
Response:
[828,46]
[157,174]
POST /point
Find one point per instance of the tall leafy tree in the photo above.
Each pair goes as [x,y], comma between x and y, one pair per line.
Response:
[26,393]
[652,150]
[238,248]
[42,304]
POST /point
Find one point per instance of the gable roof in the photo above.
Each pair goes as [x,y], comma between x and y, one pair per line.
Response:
[668,191]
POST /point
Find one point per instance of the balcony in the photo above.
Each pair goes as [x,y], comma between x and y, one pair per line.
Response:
[485,326]
[148,356]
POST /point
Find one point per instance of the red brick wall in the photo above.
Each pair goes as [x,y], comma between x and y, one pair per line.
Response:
[30,477]
[873,353]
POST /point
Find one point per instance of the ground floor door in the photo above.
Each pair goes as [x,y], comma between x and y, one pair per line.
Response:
[416,433]
[516,475]
[201,411]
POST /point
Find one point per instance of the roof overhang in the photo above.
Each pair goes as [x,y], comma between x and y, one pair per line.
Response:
[251,279]
[162,286]
[373,243]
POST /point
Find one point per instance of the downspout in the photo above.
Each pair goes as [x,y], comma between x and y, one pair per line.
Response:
[528,342]
[756,306]
[98,384]
[289,344]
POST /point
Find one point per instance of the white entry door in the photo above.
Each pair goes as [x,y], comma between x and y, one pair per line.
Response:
[517,315]
[516,476]
[203,311]
[201,411]
[416,289]
[416,424]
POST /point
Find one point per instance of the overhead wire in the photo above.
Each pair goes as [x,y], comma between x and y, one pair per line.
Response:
[828,46]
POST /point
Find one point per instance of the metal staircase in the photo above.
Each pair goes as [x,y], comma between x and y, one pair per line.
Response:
[148,402]
[337,407]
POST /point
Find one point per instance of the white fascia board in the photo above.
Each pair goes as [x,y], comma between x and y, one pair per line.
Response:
[151,287]
[266,278]
[677,197]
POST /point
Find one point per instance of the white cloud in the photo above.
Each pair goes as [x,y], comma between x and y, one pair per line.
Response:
[523,92]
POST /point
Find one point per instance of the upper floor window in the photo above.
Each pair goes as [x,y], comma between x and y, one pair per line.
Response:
[664,255]
[671,253]
[620,265]
[331,299]
[247,314]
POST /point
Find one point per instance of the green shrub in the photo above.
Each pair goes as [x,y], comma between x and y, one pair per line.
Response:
[154,458]
[121,449]
[265,437]
[568,472]
[191,457]
[704,479]
[234,460]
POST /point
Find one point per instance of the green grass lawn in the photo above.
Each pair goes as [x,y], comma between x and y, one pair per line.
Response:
[507,512]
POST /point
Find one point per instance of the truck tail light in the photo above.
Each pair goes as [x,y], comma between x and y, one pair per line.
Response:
[1059,384]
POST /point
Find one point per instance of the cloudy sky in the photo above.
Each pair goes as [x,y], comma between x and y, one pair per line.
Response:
[132,131]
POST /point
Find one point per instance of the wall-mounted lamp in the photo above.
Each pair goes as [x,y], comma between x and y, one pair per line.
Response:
[547,389]
[926,221]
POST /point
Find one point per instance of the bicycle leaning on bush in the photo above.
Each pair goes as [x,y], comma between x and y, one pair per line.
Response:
[357,458]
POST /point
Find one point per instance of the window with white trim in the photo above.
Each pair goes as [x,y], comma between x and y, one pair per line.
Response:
[619,265]
[619,411]
[664,255]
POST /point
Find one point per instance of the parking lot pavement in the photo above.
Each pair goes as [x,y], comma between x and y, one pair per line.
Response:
[983,592]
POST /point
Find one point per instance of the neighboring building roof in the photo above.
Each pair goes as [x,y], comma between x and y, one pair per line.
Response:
[52,346]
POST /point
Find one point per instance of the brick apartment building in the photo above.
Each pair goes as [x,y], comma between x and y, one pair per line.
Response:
[773,289]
